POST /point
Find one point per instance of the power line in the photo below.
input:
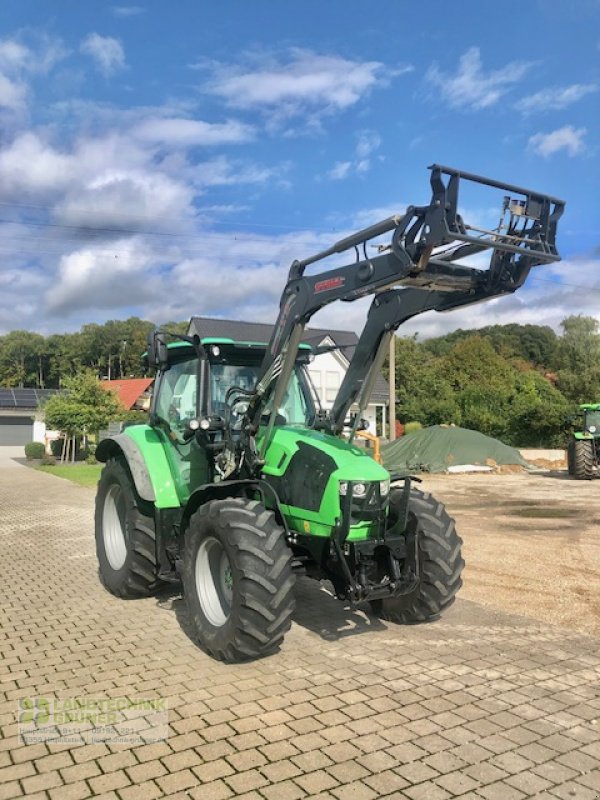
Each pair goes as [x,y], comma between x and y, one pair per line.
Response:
[144,218]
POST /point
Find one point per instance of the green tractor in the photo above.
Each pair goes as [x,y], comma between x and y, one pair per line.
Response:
[240,481]
[583,453]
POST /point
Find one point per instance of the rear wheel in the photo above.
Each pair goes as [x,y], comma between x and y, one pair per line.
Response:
[237,579]
[440,561]
[125,535]
[583,459]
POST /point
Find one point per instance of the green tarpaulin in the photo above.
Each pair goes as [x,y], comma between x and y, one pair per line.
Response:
[437,448]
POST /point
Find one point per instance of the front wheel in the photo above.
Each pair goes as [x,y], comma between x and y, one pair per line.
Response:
[440,561]
[125,535]
[237,579]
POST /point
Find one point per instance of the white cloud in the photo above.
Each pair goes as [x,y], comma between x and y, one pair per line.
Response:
[13,94]
[368,142]
[105,201]
[31,52]
[470,87]
[127,11]
[179,132]
[340,170]
[304,82]
[106,51]
[14,55]
[28,165]
[567,138]
[555,98]
[222,171]
[95,277]
[18,62]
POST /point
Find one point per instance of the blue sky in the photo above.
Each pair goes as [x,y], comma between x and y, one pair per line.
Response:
[170,159]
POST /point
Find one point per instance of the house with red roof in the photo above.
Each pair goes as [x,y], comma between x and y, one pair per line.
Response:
[132,392]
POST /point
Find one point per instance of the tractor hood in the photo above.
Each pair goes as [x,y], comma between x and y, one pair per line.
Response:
[350,463]
[308,470]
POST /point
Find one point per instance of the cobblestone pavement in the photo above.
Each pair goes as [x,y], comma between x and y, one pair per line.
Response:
[478,705]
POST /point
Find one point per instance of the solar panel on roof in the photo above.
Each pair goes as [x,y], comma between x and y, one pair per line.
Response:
[7,399]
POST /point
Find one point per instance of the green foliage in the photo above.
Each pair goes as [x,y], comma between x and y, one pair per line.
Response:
[133,416]
[535,344]
[83,474]
[411,427]
[537,412]
[487,381]
[85,408]
[112,350]
[34,450]
[515,382]
[578,360]
[48,461]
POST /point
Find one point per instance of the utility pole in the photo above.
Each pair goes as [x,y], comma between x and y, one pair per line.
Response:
[392,382]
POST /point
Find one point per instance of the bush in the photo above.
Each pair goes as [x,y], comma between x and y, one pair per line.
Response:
[91,459]
[411,427]
[34,450]
[48,461]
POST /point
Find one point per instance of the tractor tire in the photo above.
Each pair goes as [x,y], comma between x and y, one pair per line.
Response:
[583,459]
[440,562]
[125,535]
[237,579]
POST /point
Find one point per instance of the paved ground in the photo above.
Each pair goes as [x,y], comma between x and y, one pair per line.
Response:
[480,705]
[11,456]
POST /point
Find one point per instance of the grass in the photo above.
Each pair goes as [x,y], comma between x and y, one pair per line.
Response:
[83,474]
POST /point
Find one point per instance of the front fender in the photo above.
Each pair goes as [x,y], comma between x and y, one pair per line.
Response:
[143,450]
[238,488]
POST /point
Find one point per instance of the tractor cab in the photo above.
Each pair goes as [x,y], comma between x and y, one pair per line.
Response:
[200,396]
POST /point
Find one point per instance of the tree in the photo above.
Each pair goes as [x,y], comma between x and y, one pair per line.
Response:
[83,409]
[537,412]
[578,359]
[21,355]
[424,394]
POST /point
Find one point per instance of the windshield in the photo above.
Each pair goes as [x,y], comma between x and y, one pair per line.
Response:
[592,419]
[295,408]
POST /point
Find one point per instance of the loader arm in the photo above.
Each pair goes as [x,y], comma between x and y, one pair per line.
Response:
[388,311]
[524,237]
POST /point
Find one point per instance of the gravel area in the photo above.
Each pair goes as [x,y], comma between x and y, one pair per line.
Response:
[531,543]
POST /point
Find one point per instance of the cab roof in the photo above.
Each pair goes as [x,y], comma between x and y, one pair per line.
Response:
[222,340]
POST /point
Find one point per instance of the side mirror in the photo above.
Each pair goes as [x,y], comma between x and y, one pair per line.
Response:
[158,356]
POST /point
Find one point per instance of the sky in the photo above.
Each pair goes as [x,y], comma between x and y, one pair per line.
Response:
[165,160]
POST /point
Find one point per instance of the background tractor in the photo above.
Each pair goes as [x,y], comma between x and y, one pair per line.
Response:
[240,482]
[584,446]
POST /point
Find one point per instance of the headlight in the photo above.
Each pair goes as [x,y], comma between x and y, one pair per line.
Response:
[384,488]
[358,489]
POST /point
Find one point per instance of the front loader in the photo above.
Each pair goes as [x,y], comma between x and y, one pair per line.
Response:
[240,482]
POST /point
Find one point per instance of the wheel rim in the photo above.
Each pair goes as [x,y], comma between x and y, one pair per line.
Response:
[113,531]
[214,581]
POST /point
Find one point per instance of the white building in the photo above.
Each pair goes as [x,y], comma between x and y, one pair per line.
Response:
[326,371]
